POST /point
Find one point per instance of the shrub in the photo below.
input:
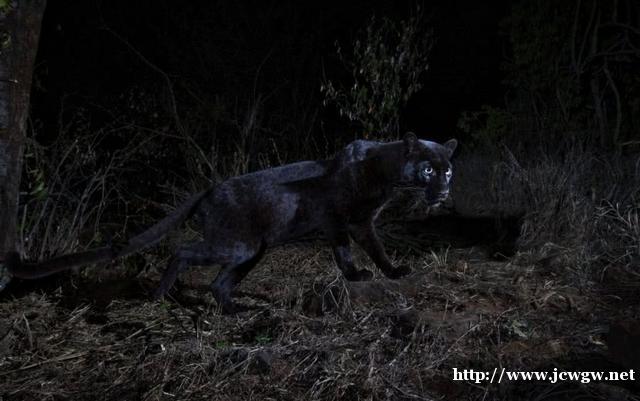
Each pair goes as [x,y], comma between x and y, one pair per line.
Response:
[385,64]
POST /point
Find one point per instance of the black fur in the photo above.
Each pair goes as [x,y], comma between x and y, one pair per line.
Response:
[245,215]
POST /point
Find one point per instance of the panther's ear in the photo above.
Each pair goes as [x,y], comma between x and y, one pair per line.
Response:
[410,142]
[451,146]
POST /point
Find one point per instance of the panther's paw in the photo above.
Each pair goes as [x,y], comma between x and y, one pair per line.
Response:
[398,272]
[358,275]
[159,294]
[364,275]
[233,308]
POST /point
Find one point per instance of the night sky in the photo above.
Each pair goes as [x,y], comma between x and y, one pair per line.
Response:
[219,46]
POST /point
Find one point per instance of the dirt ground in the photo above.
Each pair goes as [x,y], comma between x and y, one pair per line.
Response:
[313,336]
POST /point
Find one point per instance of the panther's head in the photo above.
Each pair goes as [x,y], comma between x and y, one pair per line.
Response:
[428,167]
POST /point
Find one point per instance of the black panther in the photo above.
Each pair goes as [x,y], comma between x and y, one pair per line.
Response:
[245,215]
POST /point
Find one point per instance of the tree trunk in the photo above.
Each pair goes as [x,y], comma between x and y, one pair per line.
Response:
[19,32]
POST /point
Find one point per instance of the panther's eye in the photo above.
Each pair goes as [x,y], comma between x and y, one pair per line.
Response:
[428,170]
[448,173]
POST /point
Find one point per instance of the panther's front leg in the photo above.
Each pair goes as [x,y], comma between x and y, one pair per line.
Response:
[339,238]
[364,234]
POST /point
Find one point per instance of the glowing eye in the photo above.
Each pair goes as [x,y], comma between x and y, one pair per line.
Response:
[428,170]
[449,172]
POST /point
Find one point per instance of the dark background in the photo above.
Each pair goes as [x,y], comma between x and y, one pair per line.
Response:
[136,104]
[532,266]
[219,47]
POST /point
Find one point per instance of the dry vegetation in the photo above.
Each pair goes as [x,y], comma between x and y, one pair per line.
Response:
[313,335]
[565,296]
[581,204]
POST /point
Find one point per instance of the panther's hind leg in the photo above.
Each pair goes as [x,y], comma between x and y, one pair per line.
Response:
[199,253]
[231,274]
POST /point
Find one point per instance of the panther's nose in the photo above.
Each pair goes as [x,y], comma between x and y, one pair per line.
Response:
[437,198]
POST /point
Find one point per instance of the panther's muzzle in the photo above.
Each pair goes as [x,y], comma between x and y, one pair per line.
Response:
[441,197]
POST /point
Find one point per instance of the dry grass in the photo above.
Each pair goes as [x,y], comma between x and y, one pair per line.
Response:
[577,206]
[312,335]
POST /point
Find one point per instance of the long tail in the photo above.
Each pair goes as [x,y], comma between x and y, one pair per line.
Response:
[28,270]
